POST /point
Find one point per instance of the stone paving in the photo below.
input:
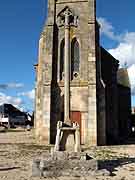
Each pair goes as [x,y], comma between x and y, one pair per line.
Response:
[18,149]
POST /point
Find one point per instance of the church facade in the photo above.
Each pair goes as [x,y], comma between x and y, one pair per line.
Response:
[74,69]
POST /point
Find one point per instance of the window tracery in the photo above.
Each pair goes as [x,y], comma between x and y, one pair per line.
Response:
[75,58]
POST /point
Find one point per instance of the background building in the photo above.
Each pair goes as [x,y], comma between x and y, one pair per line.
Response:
[13,115]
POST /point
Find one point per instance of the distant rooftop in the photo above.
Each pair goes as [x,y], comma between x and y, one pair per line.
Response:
[133,110]
[123,78]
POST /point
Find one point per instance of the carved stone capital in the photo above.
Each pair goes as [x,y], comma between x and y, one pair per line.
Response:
[67,18]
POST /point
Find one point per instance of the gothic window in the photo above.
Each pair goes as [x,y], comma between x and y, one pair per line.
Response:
[75,58]
[62,55]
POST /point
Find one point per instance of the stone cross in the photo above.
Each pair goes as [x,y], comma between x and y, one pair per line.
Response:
[67,68]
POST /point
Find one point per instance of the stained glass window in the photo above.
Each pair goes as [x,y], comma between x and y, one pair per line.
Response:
[75,56]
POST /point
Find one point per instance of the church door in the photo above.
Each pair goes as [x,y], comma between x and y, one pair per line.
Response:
[75,116]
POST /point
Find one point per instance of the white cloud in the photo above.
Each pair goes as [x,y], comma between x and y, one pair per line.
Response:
[20,102]
[16,101]
[107,29]
[15,85]
[11,85]
[125,51]
[29,94]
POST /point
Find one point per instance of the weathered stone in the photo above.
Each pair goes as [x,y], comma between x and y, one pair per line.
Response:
[65,167]
[47,174]
[59,155]
[36,171]
[73,83]
[102,172]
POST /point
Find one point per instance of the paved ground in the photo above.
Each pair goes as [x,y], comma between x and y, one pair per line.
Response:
[18,149]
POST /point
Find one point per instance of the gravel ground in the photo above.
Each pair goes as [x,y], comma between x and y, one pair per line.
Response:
[18,148]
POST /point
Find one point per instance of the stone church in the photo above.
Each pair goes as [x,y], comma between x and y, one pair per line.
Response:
[76,78]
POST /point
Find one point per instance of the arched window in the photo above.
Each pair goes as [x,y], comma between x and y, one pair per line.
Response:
[62,55]
[75,58]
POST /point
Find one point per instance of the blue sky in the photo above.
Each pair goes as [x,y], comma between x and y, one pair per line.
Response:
[21,24]
[118,33]
[120,14]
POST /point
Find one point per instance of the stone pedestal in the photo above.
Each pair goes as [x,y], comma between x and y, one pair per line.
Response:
[67,138]
[61,164]
[77,140]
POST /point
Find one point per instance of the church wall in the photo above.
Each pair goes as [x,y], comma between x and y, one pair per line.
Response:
[92,83]
[101,118]
[85,35]
[109,75]
[38,90]
[124,113]
[79,102]
[43,86]
[80,32]
[92,117]
[84,88]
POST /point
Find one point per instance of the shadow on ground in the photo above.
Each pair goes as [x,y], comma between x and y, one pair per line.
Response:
[111,165]
[8,168]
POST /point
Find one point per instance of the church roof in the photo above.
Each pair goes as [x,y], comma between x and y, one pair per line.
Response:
[123,78]
[105,55]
